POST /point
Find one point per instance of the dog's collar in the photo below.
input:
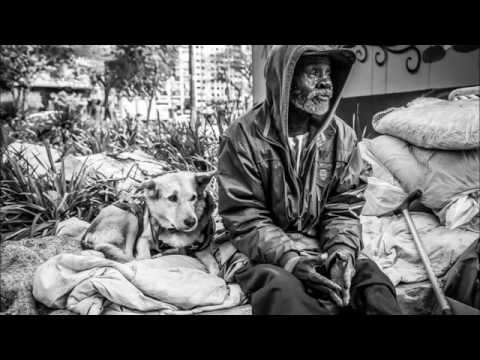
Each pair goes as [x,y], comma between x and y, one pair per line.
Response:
[196,246]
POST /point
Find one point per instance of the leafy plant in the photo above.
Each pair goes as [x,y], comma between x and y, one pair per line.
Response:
[33,206]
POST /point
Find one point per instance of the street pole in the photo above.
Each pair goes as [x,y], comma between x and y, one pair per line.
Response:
[193,100]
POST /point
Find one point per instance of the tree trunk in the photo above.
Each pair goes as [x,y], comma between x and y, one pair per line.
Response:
[150,101]
[106,111]
[14,101]
[24,100]
[220,121]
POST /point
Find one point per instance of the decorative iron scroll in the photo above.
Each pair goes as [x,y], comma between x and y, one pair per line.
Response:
[381,54]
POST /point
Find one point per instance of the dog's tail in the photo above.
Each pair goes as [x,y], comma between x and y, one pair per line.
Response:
[110,251]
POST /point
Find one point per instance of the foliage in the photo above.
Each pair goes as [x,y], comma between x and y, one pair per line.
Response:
[152,65]
[134,70]
[187,148]
[33,206]
[19,64]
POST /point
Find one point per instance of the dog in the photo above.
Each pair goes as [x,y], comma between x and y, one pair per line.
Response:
[176,216]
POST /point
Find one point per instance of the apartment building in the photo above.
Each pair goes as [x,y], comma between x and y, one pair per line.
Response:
[212,65]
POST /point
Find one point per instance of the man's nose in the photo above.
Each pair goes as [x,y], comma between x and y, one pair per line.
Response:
[325,84]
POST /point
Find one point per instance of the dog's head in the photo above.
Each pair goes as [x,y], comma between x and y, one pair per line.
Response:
[177,200]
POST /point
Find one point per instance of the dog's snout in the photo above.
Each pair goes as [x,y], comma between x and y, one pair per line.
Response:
[190,221]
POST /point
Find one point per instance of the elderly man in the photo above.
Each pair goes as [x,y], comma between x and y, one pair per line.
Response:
[288,178]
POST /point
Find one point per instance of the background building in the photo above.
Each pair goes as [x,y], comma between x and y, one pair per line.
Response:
[221,72]
[217,70]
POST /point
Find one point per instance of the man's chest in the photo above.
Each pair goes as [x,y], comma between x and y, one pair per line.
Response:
[295,193]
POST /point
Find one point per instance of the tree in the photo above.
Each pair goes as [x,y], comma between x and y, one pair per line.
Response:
[20,64]
[150,67]
[107,66]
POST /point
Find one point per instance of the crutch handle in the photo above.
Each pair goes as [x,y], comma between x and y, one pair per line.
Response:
[408,200]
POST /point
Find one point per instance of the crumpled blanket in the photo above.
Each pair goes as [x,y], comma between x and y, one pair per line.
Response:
[87,283]
[388,242]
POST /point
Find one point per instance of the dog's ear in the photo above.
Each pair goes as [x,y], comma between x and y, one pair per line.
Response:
[203,179]
[151,189]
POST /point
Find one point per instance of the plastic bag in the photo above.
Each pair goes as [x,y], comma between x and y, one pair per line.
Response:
[381,197]
[440,175]
[462,212]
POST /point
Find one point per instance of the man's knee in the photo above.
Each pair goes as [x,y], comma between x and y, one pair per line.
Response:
[271,276]
[372,291]
[279,277]
[367,272]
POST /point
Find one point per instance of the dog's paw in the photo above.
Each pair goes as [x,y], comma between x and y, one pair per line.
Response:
[213,269]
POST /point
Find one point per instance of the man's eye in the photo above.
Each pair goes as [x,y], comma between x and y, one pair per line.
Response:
[193,198]
[173,198]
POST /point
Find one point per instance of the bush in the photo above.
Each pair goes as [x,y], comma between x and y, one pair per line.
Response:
[33,206]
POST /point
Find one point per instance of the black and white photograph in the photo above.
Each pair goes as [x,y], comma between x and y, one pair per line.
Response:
[240,180]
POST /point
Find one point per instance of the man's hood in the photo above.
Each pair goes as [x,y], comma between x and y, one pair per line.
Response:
[279,71]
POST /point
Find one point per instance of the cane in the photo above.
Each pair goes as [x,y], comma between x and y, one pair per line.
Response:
[403,208]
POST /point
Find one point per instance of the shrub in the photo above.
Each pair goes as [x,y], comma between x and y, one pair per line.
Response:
[33,206]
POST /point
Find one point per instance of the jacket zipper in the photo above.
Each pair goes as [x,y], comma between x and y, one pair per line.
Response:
[295,177]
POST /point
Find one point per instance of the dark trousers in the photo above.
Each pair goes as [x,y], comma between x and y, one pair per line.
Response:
[463,279]
[274,291]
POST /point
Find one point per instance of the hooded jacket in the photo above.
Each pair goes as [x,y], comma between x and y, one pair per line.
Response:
[263,202]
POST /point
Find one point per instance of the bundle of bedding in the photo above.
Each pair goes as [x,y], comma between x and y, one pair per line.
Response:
[432,145]
[89,284]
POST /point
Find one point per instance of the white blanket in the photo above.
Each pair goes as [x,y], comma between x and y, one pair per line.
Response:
[388,242]
[90,284]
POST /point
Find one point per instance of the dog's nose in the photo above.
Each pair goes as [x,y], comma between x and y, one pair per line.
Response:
[189,221]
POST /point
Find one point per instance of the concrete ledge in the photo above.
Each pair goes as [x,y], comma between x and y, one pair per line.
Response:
[239,310]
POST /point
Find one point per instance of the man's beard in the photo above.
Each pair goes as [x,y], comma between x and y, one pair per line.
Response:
[316,102]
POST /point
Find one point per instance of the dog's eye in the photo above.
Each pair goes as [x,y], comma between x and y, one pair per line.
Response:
[193,198]
[172,198]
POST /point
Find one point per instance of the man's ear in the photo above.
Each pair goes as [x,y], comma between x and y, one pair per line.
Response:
[151,188]
[203,179]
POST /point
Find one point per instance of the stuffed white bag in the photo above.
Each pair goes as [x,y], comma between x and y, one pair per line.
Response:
[433,123]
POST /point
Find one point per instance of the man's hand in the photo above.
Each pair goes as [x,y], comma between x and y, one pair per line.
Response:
[306,271]
[342,271]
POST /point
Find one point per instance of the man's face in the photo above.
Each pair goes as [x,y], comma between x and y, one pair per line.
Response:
[312,86]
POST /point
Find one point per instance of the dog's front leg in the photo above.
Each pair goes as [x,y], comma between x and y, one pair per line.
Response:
[143,242]
[209,261]
[143,248]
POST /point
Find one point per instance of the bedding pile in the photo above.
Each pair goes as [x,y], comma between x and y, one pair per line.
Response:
[432,145]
